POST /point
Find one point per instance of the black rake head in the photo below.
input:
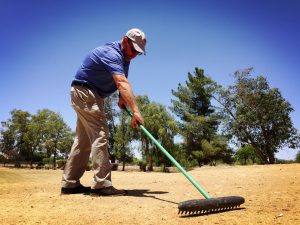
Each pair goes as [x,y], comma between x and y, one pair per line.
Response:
[211,205]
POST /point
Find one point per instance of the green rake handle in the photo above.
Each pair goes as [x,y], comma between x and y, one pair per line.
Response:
[182,170]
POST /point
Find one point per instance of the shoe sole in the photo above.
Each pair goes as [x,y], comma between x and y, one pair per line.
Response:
[87,193]
[108,195]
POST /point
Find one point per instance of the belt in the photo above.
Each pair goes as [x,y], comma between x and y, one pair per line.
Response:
[80,83]
[83,84]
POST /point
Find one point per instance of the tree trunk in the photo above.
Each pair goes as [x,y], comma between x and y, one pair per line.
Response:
[31,164]
[31,157]
[271,158]
[17,162]
[54,158]
[213,163]
[123,157]
[150,167]
[165,169]
[123,169]
[260,152]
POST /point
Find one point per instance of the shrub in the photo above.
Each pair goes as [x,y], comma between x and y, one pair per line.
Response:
[142,164]
[283,161]
[40,165]
[61,163]
[48,160]
[3,159]
[114,166]
[135,161]
[188,165]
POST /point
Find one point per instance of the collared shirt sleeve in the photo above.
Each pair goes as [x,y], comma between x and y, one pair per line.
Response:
[114,63]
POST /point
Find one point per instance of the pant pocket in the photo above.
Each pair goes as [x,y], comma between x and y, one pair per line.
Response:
[79,97]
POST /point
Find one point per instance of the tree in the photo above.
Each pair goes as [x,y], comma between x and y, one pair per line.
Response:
[26,137]
[223,151]
[258,115]
[198,119]
[143,102]
[161,125]
[111,114]
[58,135]
[13,140]
[7,142]
[246,153]
[122,138]
[36,132]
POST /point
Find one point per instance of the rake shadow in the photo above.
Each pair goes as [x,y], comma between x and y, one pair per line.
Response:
[148,194]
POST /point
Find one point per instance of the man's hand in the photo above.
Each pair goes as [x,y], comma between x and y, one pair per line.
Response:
[121,103]
[137,119]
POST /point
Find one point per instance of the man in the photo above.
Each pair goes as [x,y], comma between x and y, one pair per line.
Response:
[102,72]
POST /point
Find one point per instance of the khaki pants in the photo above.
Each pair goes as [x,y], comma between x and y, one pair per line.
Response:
[91,140]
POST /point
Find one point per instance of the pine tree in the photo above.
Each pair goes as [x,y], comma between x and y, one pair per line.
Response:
[198,120]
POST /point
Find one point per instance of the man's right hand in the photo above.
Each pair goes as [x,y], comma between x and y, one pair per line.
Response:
[121,103]
[137,119]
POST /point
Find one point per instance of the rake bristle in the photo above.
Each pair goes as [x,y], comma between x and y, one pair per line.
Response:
[211,205]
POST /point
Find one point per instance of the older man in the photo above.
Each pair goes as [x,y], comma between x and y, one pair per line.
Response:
[103,71]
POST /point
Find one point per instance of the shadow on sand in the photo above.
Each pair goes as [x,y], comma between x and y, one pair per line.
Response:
[148,194]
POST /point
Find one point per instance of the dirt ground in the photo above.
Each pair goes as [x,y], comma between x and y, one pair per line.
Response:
[272,197]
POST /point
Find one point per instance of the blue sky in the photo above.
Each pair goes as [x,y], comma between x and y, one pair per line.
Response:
[43,43]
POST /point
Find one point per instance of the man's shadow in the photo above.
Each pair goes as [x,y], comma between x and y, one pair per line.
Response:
[148,194]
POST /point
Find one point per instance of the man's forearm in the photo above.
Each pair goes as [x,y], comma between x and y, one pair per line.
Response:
[126,93]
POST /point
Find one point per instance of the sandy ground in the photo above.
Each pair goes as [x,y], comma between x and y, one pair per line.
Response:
[272,197]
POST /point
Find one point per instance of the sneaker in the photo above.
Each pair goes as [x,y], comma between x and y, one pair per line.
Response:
[77,190]
[108,191]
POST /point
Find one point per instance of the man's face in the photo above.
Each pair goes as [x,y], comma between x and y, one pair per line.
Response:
[128,49]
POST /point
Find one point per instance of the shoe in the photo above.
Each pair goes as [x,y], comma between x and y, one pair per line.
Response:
[108,191]
[77,190]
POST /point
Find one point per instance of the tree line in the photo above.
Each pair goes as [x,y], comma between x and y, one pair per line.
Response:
[34,138]
[207,118]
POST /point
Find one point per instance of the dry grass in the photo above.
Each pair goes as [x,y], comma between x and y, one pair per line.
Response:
[271,192]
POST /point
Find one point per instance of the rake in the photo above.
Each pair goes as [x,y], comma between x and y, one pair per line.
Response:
[196,206]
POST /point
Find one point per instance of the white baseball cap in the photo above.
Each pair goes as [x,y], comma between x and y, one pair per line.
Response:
[138,39]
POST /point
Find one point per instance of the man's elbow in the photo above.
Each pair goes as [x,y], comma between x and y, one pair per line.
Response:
[122,85]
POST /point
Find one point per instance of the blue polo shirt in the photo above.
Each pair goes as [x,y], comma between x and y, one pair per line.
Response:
[99,66]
